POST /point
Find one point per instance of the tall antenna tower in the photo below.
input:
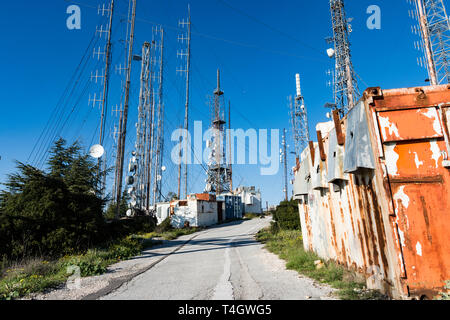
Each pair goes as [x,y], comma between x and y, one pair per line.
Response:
[104,75]
[346,90]
[284,160]
[185,38]
[124,117]
[159,131]
[435,39]
[142,130]
[299,118]
[218,174]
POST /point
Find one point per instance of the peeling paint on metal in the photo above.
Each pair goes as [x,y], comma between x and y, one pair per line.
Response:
[401,195]
[386,124]
[432,114]
[416,159]
[391,159]
[419,248]
[436,152]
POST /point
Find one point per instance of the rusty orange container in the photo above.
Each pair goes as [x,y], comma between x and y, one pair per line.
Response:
[374,193]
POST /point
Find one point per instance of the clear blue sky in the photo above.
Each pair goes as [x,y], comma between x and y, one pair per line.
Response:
[39,55]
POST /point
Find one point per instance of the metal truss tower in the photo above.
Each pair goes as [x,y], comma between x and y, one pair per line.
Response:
[346,90]
[146,164]
[139,168]
[435,34]
[299,118]
[186,70]
[124,117]
[218,174]
[283,159]
[157,181]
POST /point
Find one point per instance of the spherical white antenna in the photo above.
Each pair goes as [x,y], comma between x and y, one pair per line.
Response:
[330,52]
[96,151]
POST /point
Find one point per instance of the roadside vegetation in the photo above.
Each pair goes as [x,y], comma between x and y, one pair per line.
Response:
[251,216]
[284,238]
[445,295]
[55,219]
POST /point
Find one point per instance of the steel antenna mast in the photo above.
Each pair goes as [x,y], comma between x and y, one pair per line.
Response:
[151,133]
[142,126]
[299,120]
[346,85]
[284,157]
[106,75]
[124,117]
[435,33]
[158,171]
[187,38]
[218,174]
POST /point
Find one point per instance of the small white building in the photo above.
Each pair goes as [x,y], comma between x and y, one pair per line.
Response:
[199,210]
[251,199]
[162,211]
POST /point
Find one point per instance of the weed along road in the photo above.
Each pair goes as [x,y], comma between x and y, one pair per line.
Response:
[222,263]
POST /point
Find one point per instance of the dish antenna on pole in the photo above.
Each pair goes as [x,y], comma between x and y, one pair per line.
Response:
[96,151]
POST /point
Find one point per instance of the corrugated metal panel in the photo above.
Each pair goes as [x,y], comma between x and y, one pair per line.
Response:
[415,147]
[335,160]
[358,149]
[302,182]
[319,172]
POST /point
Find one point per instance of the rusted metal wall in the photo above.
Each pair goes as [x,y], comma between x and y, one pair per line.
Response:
[373,192]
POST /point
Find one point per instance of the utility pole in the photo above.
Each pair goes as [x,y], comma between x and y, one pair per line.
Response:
[346,90]
[435,33]
[186,71]
[299,118]
[124,117]
[284,158]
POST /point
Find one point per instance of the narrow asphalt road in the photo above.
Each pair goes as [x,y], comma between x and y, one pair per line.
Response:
[222,263]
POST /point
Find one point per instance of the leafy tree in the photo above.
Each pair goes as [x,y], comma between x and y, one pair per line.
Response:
[172,196]
[54,213]
[111,211]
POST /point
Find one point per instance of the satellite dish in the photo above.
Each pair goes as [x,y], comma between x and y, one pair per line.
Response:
[330,52]
[163,168]
[158,178]
[96,151]
[130,180]
[129,212]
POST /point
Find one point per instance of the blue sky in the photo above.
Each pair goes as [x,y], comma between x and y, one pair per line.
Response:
[258,45]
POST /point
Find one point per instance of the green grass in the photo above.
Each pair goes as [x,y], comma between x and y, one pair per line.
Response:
[37,275]
[170,234]
[250,216]
[288,245]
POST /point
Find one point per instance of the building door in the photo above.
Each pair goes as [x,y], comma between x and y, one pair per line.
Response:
[415,148]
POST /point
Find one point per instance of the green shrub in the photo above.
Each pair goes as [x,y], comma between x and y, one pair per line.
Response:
[286,216]
[164,226]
